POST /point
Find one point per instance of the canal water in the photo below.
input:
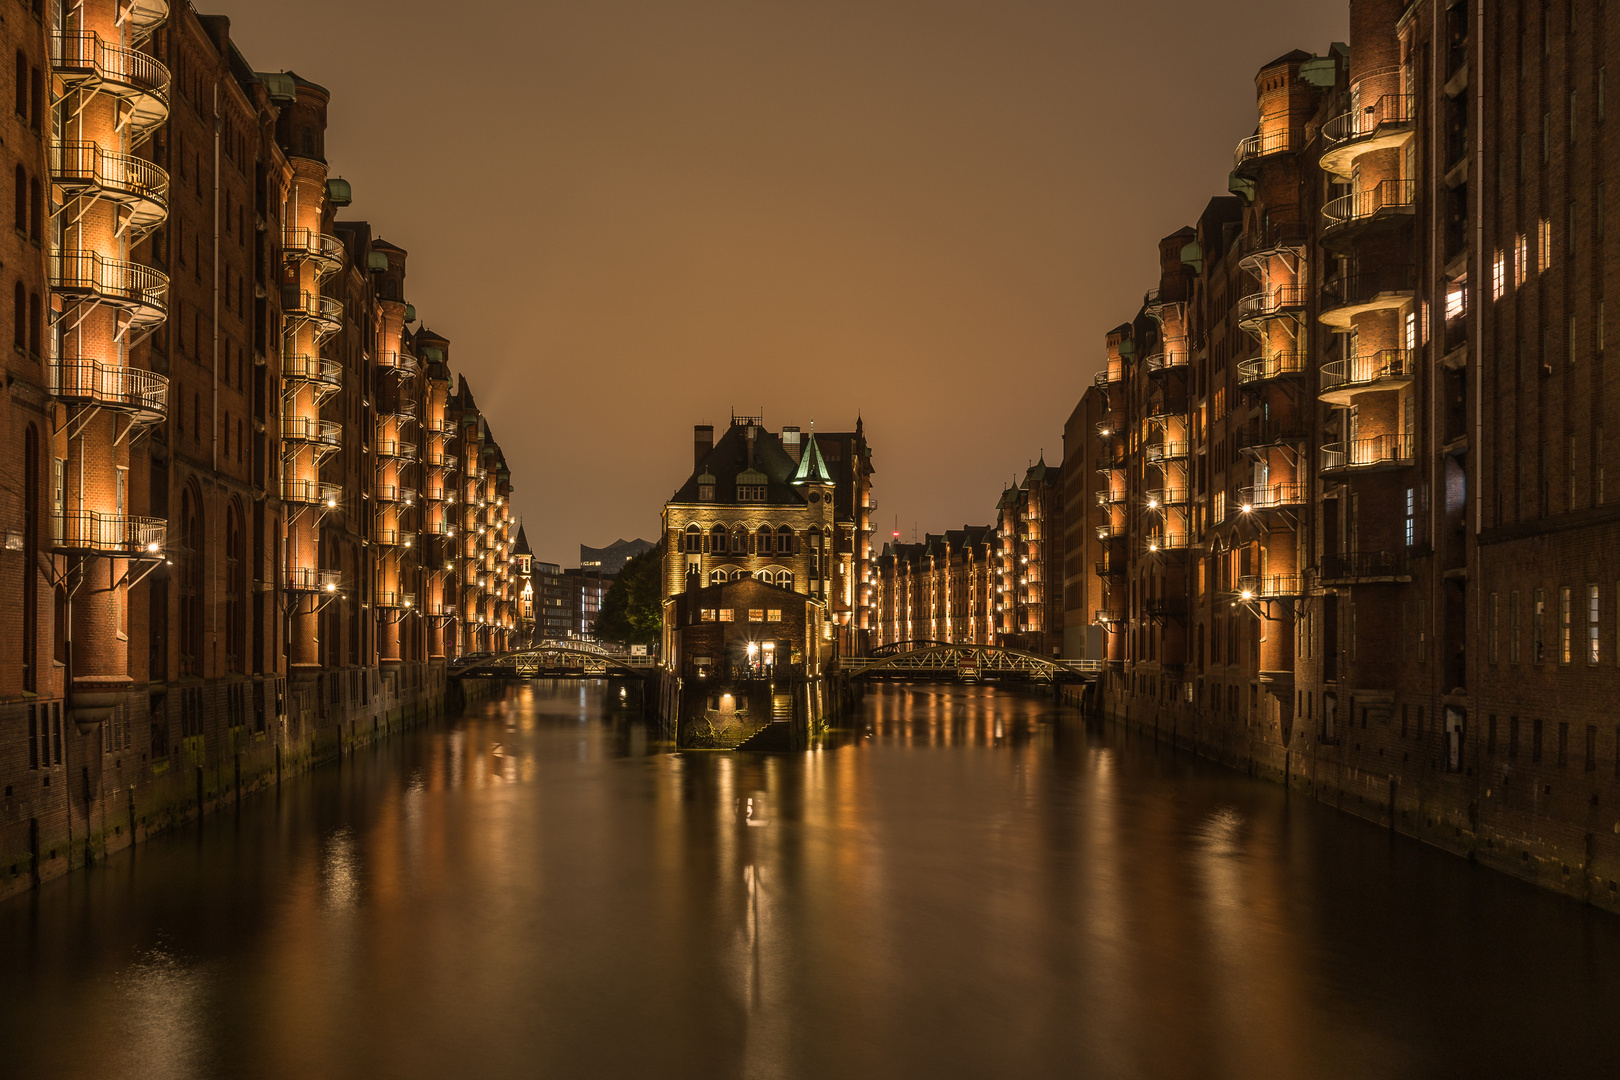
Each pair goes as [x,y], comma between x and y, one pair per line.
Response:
[968,884]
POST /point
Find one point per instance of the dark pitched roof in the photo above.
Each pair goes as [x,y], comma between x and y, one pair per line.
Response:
[730,457]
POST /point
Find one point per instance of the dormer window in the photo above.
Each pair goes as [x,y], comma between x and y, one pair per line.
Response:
[705,493]
[751,492]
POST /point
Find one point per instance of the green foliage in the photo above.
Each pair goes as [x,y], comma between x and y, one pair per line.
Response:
[633,609]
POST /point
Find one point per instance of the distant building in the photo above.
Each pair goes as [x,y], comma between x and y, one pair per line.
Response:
[608,561]
[943,589]
[556,603]
[589,587]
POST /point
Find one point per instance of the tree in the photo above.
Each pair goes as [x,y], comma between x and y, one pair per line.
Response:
[633,609]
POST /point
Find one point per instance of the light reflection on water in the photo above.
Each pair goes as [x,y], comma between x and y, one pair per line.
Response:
[965,884]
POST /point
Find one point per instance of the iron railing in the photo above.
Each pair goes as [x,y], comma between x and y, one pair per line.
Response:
[1368,453]
[1384,195]
[110,385]
[1366,369]
[1391,109]
[126,284]
[1274,366]
[112,534]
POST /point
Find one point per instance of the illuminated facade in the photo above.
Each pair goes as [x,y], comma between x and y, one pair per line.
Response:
[943,589]
[1353,460]
[231,537]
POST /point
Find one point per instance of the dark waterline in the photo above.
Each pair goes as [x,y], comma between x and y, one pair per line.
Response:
[971,884]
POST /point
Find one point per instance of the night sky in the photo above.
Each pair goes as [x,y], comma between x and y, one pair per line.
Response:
[630,216]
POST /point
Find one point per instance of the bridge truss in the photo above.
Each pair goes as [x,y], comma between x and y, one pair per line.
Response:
[970,662]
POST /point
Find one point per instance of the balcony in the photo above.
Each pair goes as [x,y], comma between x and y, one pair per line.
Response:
[397,361]
[1105,429]
[1158,498]
[1109,497]
[1387,369]
[1386,201]
[85,62]
[1165,451]
[325,375]
[441,528]
[1162,360]
[1271,587]
[144,395]
[1111,530]
[1263,145]
[143,17]
[323,434]
[396,448]
[392,598]
[1282,300]
[1164,607]
[1347,295]
[137,185]
[1370,455]
[306,307]
[393,493]
[438,425]
[1385,123]
[1265,368]
[1159,543]
[1363,568]
[114,535]
[1279,238]
[1257,436]
[1272,496]
[87,277]
[310,579]
[307,245]
[388,536]
[310,492]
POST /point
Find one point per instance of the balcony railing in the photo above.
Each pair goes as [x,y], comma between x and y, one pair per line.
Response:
[119,535]
[1272,496]
[1273,431]
[392,598]
[85,167]
[1361,566]
[310,492]
[314,308]
[1384,197]
[1160,360]
[1270,586]
[1166,451]
[396,448]
[1108,496]
[328,433]
[311,579]
[325,251]
[1111,529]
[1105,429]
[1272,302]
[1166,496]
[1275,366]
[396,360]
[1366,371]
[1264,144]
[1277,236]
[304,367]
[387,536]
[139,79]
[1389,111]
[1381,287]
[1159,542]
[143,394]
[141,290]
[394,493]
[1379,451]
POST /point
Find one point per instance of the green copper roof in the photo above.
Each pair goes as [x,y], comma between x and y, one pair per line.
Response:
[812,470]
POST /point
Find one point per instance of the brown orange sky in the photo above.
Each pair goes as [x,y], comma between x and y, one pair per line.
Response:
[630,217]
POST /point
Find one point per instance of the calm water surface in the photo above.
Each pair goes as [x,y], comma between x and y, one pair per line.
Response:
[970,884]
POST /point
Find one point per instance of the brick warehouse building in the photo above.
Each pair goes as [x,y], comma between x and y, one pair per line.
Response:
[1357,535]
[256,511]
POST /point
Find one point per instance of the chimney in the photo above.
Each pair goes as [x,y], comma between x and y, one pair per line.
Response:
[702,443]
[791,443]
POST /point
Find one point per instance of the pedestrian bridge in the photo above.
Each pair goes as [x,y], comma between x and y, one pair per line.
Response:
[934,661]
[557,660]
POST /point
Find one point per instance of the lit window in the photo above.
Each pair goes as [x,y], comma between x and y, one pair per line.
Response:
[1498,276]
[1521,259]
[773,614]
[709,615]
[756,614]
[1543,244]
[1593,607]
[727,615]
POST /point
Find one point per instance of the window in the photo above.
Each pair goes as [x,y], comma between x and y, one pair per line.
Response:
[1490,614]
[692,540]
[1411,331]
[1591,747]
[1490,736]
[20,211]
[1563,743]
[709,614]
[1521,259]
[756,614]
[1593,610]
[751,492]
[1538,612]
[1411,516]
[784,579]
[1543,244]
[1498,276]
[1513,627]
[1566,643]
[773,614]
[727,615]
[1513,736]
[1535,739]
[19,317]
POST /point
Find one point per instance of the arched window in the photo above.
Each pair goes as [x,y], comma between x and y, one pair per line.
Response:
[36,215]
[36,324]
[739,541]
[717,540]
[22,84]
[784,541]
[739,575]
[20,211]
[813,542]
[764,539]
[767,576]
[19,317]
[784,579]
[717,577]
[692,540]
